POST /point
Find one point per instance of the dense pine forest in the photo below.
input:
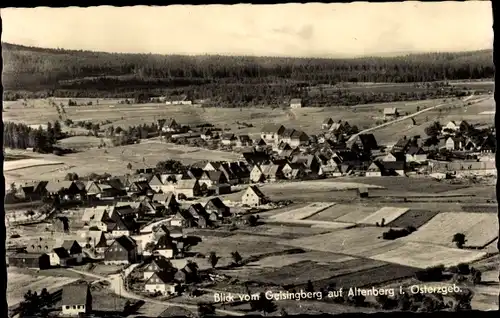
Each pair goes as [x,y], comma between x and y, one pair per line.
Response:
[230,81]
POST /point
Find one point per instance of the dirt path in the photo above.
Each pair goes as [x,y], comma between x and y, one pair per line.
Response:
[118,288]
[411,116]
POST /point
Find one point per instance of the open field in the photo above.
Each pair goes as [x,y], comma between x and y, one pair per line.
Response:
[474,114]
[425,255]
[83,142]
[363,242]
[111,160]
[400,184]
[19,284]
[364,116]
[356,214]
[28,163]
[303,213]
[479,229]
[413,217]
[321,258]
[389,214]
[281,231]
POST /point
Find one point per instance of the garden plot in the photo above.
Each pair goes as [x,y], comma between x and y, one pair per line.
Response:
[413,217]
[330,214]
[479,228]
[356,213]
[356,241]
[426,255]
[389,214]
[304,212]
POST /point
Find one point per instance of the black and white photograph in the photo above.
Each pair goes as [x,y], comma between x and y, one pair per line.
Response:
[241,160]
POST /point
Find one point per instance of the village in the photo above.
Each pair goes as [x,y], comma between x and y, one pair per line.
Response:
[148,223]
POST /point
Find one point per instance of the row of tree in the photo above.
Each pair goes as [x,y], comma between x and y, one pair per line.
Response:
[21,136]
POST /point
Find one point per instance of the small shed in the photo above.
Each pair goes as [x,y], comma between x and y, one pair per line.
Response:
[363,192]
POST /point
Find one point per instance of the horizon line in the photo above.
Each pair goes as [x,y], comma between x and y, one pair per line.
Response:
[331,56]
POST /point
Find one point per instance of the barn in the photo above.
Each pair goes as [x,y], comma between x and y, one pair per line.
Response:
[24,260]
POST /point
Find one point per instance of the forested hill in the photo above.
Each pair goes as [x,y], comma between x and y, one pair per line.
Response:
[64,71]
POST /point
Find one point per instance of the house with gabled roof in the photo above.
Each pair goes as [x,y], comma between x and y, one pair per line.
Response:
[215,205]
[200,215]
[231,177]
[298,138]
[165,247]
[455,143]
[123,250]
[327,123]
[253,197]
[295,103]
[451,126]
[393,168]
[140,188]
[488,145]
[74,250]
[391,113]
[162,283]
[402,144]
[271,133]
[243,141]
[256,158]
[76,300]
[293,171]
[271,172]
[96,217]
[156,183]
[158,264]
[93,239]
[394,156]
[171,126]
[374,170]
[228,139]
[187,188]
[256,175]
[120,226]
[416,154]
[168,201]
[210,178]
[363,143]
[183,219]
[212,166]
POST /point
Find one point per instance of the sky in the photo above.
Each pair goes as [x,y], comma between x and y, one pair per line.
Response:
[303,30]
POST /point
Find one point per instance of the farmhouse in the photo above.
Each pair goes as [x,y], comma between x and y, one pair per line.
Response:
[296,103]
[188,188]
[96,217]
[138,188]
[120,226]
[210,178]
[229,174]
[168,201]
[93,239]
[374,170]
[243,141]
[74,250]
[178,100]
[69,190]
[363,142]
[60,257]
[391,113]
[76,300]
[402,145]
[30,260]
[329,169]
[200,215]
[455,143]
[272,132]
[451,126]
[123,250]
[416,154]
[148,208]
[271,172]
[256,175]
[102,190]
[165,247]
[218,207]
[183,219]
[157,264]
[327,123]
[463,167]
[228,139]
[253,197]
[171,126]
[393,156]
[293,171]
[156,183]
[298,138]
[161,282]
[393,168]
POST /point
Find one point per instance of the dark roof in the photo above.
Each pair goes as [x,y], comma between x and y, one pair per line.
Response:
[165,242]
[257,191]
[328,121]
[185,214]
[197,208]
[272,128]
[414,150]
[68,244]
[368,141]
[298,134]
[165,276]
[61,252]
[214,175]
[403,143]
[288,132]
[216,202]
[75,294]
[393,165]
[256,157]
[400,156]
[295,100]
[126,242]
[55,186]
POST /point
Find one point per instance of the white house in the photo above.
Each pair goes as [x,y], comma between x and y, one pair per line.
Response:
[374,170]
[162,282]
[76,300]
[451,126]
[97,217]
[416,154]
[253,197]
[165,247]
[296,103]
[157,264]
[391,113]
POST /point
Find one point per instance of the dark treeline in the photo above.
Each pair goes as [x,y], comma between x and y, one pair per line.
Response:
[21,136]
[241,80]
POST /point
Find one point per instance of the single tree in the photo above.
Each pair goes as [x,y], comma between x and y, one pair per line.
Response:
[236,257]
[459,239]
[213,259]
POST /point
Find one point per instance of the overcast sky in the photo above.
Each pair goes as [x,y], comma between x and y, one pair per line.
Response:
[279,30]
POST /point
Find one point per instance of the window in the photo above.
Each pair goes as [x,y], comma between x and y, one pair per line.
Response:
[67,307]
[74,307]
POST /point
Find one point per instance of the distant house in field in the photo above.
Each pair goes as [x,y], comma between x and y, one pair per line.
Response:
[295,103]
[165,247]
[161,282]
[76,300]
[455,143]
[228,139]
[178,100]
[391,113]
[327,123]
[272,132]
[171,126]
[216,205]
[253,197]
[188,188]
[243,141]
[157,264]
[123,250]
[451,126]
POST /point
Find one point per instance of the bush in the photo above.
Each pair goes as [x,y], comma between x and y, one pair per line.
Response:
[434,273]
[463,269]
